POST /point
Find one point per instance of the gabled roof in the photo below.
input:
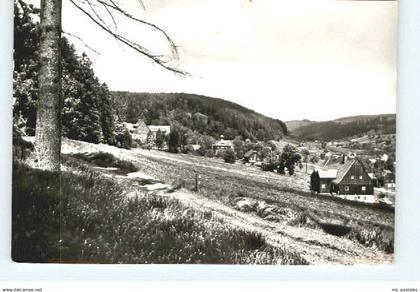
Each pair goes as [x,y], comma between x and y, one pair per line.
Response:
[340,170]
[166,129]
[329,173]
[224,143]
[343,169]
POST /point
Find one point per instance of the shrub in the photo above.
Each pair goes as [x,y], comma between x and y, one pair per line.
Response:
[269,166]
[229,156]
[123,139]
[103,159]
[379,237]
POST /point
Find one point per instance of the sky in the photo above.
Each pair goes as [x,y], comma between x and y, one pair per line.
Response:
[287,59]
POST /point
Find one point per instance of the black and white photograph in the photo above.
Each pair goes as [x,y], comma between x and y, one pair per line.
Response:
[240,132]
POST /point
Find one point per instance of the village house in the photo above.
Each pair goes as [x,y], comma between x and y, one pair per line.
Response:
[196,147]
[349,180]
[139,131]
[222,145]
[321,180]
[251,157]
[166,130]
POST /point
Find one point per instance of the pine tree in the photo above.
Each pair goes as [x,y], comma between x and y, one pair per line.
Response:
[160,139]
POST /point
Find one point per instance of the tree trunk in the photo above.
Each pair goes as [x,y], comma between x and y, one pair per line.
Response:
[48,123]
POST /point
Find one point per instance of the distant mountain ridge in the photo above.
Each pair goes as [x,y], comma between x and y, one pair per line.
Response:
[343,127]
[198,113]
[346,120]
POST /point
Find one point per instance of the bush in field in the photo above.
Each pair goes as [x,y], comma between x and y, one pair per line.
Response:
[314,159]
[239,146]
[269,166]
[229,156]
[123,137]
[85,218]
[288,158]
[209,153]
[381,238]
[160,139]
[173,142]
[188,149]
[103,159]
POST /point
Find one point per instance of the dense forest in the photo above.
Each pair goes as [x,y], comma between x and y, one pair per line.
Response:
[346,127]
[87,112]
[204,115]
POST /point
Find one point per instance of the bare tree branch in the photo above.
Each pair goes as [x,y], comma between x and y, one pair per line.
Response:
[111,15]
[158,59]
[142,5]
[78,38]
[114,6]
[97,15]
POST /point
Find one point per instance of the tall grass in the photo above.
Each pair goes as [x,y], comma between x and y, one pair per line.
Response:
[103,159]
[377,237]
[86,218]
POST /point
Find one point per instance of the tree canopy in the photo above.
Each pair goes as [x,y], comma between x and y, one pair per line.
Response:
[86,111]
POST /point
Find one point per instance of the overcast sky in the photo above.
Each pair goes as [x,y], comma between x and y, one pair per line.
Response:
[294,59]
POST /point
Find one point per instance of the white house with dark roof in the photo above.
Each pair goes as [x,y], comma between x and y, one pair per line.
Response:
[139,131]
[166,130]
[222,145]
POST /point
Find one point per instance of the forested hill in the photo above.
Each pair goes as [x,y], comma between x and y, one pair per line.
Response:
[203,114]
[293,125]
[348,126]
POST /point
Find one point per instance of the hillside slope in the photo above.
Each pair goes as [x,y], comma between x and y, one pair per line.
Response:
[223,185]
[347,126]
[293,125]
[203,114]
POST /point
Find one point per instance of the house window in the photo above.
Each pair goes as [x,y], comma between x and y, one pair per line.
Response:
[363,189]
[323,186]
[352,177]
[346,188]
[360,176]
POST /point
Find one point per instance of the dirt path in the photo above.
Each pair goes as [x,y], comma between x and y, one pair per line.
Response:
[314,245]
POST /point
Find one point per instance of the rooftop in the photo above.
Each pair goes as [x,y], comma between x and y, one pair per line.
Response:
[223,143]
[329,173]
[161,128]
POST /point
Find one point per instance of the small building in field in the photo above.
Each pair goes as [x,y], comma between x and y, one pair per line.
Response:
[166,130]
[251,157]
[196,147]
[222,145]
[349,180]
[138,131]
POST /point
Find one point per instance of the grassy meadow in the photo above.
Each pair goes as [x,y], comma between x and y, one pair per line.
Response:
[372,224]
[84,217]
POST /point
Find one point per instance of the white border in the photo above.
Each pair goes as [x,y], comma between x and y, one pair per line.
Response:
[407,251]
